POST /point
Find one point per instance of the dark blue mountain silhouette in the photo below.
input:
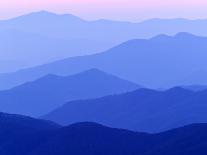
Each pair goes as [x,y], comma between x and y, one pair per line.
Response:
[21,133]
[92,139]
[142,110]
[49,92]
[89,138]
[162,61]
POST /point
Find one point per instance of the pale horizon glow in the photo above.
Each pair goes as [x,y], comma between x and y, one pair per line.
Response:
[131,10]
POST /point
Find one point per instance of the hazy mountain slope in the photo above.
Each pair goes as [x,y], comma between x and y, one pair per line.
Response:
[49,92]
[30,49]
[142,110]
[162,61]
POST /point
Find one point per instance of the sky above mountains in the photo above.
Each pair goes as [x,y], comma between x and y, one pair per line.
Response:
[132,10]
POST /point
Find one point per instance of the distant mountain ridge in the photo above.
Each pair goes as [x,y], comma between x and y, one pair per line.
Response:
[145,29]
[141,110]
[160,62]
[38,97]
[67,35]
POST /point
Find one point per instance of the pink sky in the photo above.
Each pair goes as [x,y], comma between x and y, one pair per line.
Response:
[112,9]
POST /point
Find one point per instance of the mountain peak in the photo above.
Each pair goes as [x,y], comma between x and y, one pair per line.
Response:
[161,37]
[185,35]
[179,90]
[180,35]
[44,12]
[39,14]
[95,73]
[48,15]
[92,71]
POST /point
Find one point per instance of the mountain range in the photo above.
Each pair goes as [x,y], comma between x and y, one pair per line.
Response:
[68,26]
[159,62]
[141,110]
[42,37]
[43,95]
[69,86]
[92,139]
